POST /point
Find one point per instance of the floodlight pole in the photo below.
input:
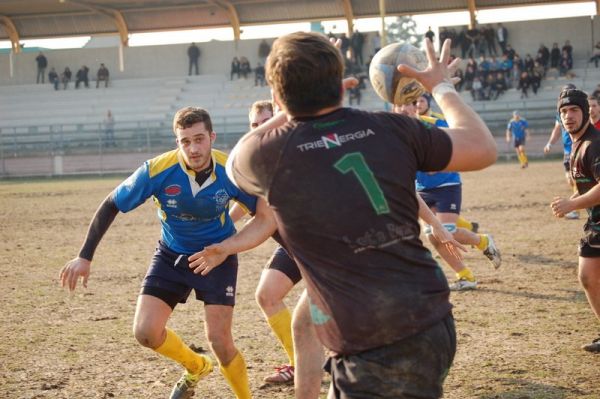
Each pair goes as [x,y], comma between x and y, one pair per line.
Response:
[472,10]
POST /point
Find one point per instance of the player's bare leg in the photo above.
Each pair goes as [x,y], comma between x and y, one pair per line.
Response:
[589,277]
[272,288]
[309,354]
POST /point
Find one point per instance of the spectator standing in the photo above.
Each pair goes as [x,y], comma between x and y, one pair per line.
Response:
[554,56]
[102,75]
[502,36]
[544,55]
[82,76]
[53,78]
[569,49]
[65,77]
[193,53]
[430,34]
[109,130]
[490,39]
[345,45]
[235,68]
[472,37]
[535,77]
[357,42]
[510,52]
[263,51]
[259,75]
[42,63]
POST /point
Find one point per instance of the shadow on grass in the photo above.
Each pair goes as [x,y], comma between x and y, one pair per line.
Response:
[523,389]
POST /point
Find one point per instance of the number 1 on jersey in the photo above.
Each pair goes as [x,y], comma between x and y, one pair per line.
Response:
[355,162]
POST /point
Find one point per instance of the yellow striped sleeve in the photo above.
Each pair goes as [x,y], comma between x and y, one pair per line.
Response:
[220,157]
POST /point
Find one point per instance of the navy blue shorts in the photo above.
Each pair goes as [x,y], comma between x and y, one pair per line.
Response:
[446,199]
[280,260]
[518,142]
[170,279]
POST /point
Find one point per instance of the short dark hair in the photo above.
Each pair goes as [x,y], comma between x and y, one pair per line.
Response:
[189,116]
[305,71]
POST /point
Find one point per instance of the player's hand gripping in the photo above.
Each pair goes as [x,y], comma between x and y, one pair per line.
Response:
[210,257]
[438,71]
[447,239]
[73,270]
[561,206]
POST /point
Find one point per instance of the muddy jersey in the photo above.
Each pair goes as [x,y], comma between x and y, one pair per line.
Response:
[341,186]
[585,171]
[191,216]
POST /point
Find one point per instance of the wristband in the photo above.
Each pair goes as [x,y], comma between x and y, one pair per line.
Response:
[442,88]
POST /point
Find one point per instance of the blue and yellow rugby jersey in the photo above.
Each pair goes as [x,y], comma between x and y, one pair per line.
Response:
[517,128]
[437,179]
[192,216]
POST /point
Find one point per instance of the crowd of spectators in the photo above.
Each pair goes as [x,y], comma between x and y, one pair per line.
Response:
[66,75]
[492,69]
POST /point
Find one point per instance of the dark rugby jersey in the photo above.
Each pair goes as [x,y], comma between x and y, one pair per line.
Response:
[585,170]
[342,189]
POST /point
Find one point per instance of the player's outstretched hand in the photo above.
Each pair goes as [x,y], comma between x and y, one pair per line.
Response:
[210,257]
[438,71]
[73,270]
[447,239]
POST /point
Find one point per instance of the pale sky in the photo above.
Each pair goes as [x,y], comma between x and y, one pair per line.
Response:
[364,25]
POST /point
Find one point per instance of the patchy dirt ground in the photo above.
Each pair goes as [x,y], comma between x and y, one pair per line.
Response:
[519,333]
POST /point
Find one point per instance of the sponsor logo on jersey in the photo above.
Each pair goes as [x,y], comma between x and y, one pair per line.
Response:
[173,190]
[171,203]
[333,140]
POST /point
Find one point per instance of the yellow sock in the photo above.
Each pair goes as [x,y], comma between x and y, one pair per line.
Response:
[236,375]
[175,349]
[465,274]
[281,324]
[520,156]
[524,157]
[464,223]
[483,242]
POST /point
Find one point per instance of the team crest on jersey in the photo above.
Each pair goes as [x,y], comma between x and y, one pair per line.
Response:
[221,197]
[173,190]
[229,291]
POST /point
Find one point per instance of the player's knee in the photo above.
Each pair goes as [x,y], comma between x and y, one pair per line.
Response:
[220,342]
[589,278]
[265,298]
[146,336]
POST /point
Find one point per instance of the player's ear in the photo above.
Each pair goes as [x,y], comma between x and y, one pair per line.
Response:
[213,137]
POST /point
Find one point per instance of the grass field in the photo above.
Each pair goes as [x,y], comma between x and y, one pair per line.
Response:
[519,333]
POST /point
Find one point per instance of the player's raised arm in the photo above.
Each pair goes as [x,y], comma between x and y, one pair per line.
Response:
[79,267]
[473,146]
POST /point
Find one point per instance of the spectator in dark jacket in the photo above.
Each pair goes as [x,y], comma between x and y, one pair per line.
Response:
[102,75]
[53,78]
[554,56]
[65,77]
[193,53]
[42,63]
[82,76]
[235,68]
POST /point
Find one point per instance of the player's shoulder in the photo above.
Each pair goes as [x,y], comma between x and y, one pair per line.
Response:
[219,157]
[162,162]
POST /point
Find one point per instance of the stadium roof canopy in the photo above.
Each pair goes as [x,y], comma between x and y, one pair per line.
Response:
[29,19]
